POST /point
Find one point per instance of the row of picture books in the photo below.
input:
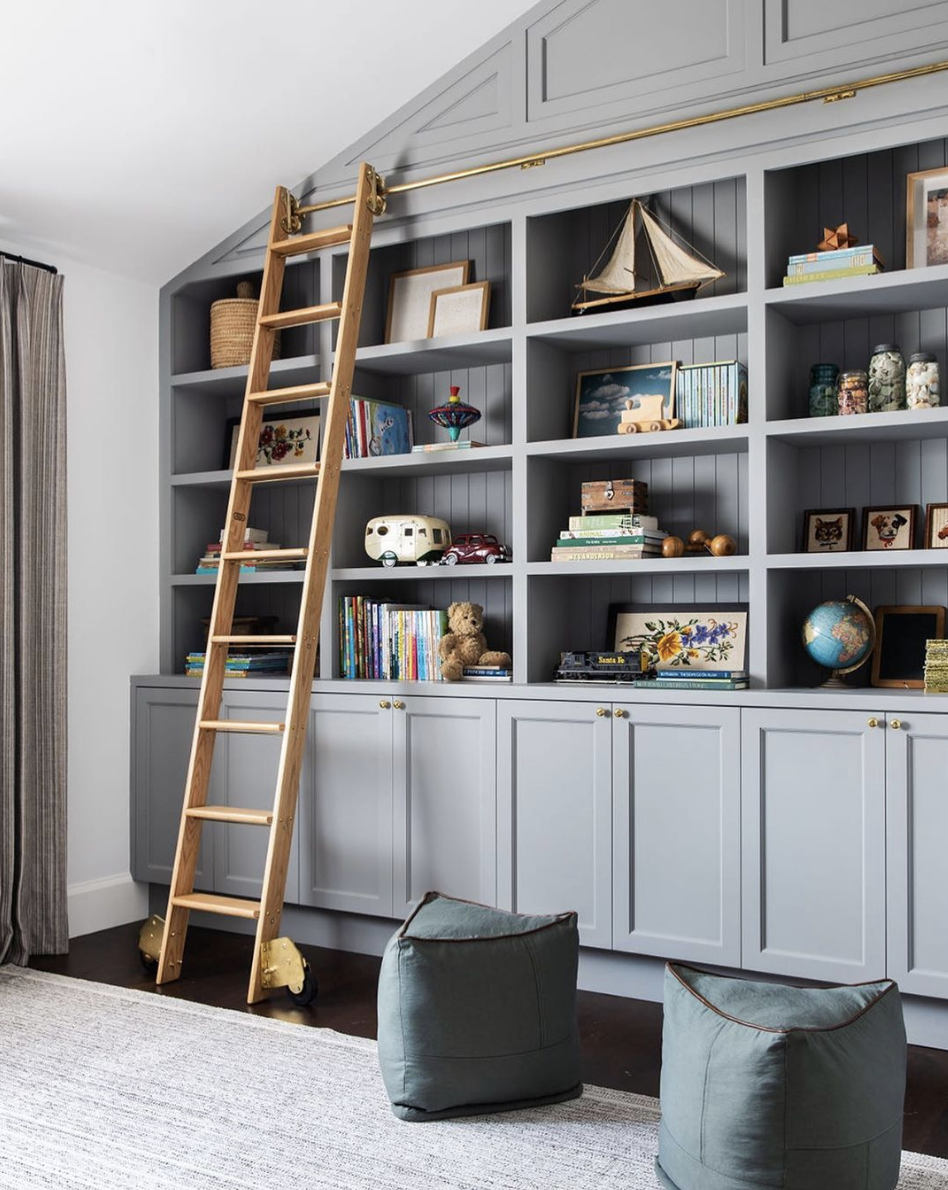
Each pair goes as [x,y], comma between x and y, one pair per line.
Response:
[711,394]
[375,429]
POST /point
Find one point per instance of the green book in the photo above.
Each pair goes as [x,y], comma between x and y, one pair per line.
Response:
[832,275]
[684,684]
[626,539]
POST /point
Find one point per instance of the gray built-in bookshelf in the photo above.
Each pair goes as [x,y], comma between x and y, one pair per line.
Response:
[753,481]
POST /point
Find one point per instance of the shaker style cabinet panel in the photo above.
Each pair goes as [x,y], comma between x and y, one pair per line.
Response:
[814,844]
[917,834]
[444,761]
[344,822]
[244,775]
[676,832]
[554,811]
[164,725]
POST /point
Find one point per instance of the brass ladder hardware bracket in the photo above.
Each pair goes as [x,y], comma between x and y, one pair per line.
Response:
[375,200]
[149,937]
[282,965]
[529,160]
[292,222]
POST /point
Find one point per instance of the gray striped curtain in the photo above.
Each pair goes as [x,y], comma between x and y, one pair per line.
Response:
[32,615]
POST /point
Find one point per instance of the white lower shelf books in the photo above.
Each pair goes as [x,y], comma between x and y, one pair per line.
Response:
[379,638]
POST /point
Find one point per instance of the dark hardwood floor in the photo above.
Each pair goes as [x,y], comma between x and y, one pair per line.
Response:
[621,1038]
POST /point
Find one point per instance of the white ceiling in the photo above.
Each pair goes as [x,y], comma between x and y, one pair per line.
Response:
[137,134]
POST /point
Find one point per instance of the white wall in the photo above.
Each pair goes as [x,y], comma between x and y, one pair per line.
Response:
[111,341]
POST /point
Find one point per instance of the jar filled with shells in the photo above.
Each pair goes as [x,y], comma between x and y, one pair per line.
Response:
[853,392]
[886,379]
[822,394]
[921,382]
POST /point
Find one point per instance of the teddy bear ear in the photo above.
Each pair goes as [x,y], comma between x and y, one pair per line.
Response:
[452,608]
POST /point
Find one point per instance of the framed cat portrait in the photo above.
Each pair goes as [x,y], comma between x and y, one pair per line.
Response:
[828,530]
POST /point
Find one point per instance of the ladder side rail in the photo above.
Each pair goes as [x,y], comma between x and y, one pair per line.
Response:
[314,584]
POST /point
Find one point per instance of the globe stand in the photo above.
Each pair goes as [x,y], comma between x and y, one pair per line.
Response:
[834,682]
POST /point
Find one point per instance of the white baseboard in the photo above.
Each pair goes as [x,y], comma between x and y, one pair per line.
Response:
[100,904]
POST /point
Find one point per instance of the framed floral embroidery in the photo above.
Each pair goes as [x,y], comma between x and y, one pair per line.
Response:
[687,637]
[290,439]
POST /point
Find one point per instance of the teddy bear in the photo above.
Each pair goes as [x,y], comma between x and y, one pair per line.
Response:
[464,643]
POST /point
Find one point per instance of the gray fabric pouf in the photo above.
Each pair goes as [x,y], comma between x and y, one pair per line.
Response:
[477,1011]
[765,1085]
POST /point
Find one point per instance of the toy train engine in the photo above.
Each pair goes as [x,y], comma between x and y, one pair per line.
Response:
[599,667]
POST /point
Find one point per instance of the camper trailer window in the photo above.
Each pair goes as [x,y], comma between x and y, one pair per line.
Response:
[382,530]
[409,531]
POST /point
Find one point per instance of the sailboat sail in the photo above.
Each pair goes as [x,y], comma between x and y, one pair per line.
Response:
[619,274]
[675,264]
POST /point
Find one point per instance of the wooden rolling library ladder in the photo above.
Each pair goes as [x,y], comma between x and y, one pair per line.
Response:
[276,962]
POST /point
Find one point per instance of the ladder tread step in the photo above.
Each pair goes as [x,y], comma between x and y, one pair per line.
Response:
[253,640]
[234,814]
[302,316]
[313,241]
[212,903]
[238,725]
[259,555]
[285,396]
[279,472]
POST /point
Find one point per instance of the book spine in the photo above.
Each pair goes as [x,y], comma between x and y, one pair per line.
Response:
[571,540]
[834,255]
[561,555]
[831,275]
[653,684]
[606,520]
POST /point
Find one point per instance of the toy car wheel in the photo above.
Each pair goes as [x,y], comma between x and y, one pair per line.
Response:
[449,560]
[388,558]
[309,991]
[491,559]
[150,964]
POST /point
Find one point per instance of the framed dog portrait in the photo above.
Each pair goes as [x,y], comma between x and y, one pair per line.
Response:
[828,530]
[936,527]
[889,527]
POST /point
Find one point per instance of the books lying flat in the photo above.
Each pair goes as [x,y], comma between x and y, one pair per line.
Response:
[857,256]
[832,275]
[258,663]
[612,553]
[688,684]
[701,675]
[257,536]
[485,673]
[571,539]
[429,447]
[596,522]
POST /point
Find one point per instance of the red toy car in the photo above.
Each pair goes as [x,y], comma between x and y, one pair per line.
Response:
[475,547]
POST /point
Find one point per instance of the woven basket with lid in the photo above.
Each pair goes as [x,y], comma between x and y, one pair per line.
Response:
[232,326]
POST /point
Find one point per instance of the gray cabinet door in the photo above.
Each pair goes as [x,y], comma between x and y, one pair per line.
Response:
[345,815]
[164,726]
[554,805]
[244,775]
[917,831]
[814,844]
[676,837]
[444,753]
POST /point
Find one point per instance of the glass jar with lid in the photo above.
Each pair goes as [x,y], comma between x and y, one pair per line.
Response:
[823,399]
[922,382]
[886,379]
[853,392]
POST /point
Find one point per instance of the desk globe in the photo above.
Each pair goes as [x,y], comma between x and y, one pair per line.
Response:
[839,635]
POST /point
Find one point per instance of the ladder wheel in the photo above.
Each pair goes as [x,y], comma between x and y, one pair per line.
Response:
[150,964]
[309,990]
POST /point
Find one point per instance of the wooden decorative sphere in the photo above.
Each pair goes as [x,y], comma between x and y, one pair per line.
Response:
[722,546]
[672,547]
[698,539]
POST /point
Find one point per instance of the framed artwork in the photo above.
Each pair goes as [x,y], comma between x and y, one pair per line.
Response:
[828,530]
[926,218]
[460,310]
[687,636]
[936,527]
[409,298]
[290,439]
[601,397]
[889,528]
[898,659]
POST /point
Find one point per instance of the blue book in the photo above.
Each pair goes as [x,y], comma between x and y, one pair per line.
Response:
[733,675]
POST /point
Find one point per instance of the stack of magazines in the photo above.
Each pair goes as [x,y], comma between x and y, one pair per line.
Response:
[260,663]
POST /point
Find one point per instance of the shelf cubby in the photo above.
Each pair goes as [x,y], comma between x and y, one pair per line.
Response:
[192,601]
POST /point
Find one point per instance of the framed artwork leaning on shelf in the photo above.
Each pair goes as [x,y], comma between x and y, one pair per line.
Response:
[889,527]
[409,298]
[936,527]
[460,310]
[290,439]
[926,218]
[601,396]
[690,636]
[898,659]
[828,530]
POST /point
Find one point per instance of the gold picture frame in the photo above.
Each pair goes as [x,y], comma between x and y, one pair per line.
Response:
[409,298]
[460,310]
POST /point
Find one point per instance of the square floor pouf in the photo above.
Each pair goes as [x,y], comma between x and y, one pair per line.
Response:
[477,1011]
[768,1085]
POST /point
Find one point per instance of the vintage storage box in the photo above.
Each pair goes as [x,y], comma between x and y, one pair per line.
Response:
[615,495]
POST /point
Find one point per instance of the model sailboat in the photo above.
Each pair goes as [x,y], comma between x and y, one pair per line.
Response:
[680,273]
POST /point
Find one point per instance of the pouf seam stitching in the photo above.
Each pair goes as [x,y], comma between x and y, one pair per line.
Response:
[541,1024]
[704,1092]
[556,919]
[401,1023]
[755,1184]
[840,1148]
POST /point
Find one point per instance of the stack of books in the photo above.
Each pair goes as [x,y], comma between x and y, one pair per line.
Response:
[696,679]
[269,663]
[461,444]
[377,428]
[485,673]
[862,260]
[936,667]
[379,638]
[609,537]
[711,394]
[254,539]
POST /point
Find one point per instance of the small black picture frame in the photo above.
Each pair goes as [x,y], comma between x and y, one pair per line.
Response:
[898,660]
[815,519]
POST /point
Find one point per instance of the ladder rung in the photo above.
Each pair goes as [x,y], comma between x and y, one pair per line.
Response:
[211,903]
[302,317]
[253,640]
[261,555]
[280,471]
[286,396]
[237,725]
[232,814]
[313,241]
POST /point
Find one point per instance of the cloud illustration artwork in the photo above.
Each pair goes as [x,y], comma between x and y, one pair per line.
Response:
[601,396]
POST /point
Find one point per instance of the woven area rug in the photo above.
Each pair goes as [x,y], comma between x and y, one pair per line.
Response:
[111,1089]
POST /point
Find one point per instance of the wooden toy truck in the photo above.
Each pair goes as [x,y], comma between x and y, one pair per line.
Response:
[644,416]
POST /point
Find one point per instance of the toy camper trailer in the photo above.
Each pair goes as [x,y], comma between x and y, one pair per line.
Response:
[406,538]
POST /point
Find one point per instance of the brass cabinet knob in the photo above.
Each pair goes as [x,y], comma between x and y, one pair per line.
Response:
[384,705]
[399,706]
[619,713]
[873,722]
[601,712]
[895,724]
